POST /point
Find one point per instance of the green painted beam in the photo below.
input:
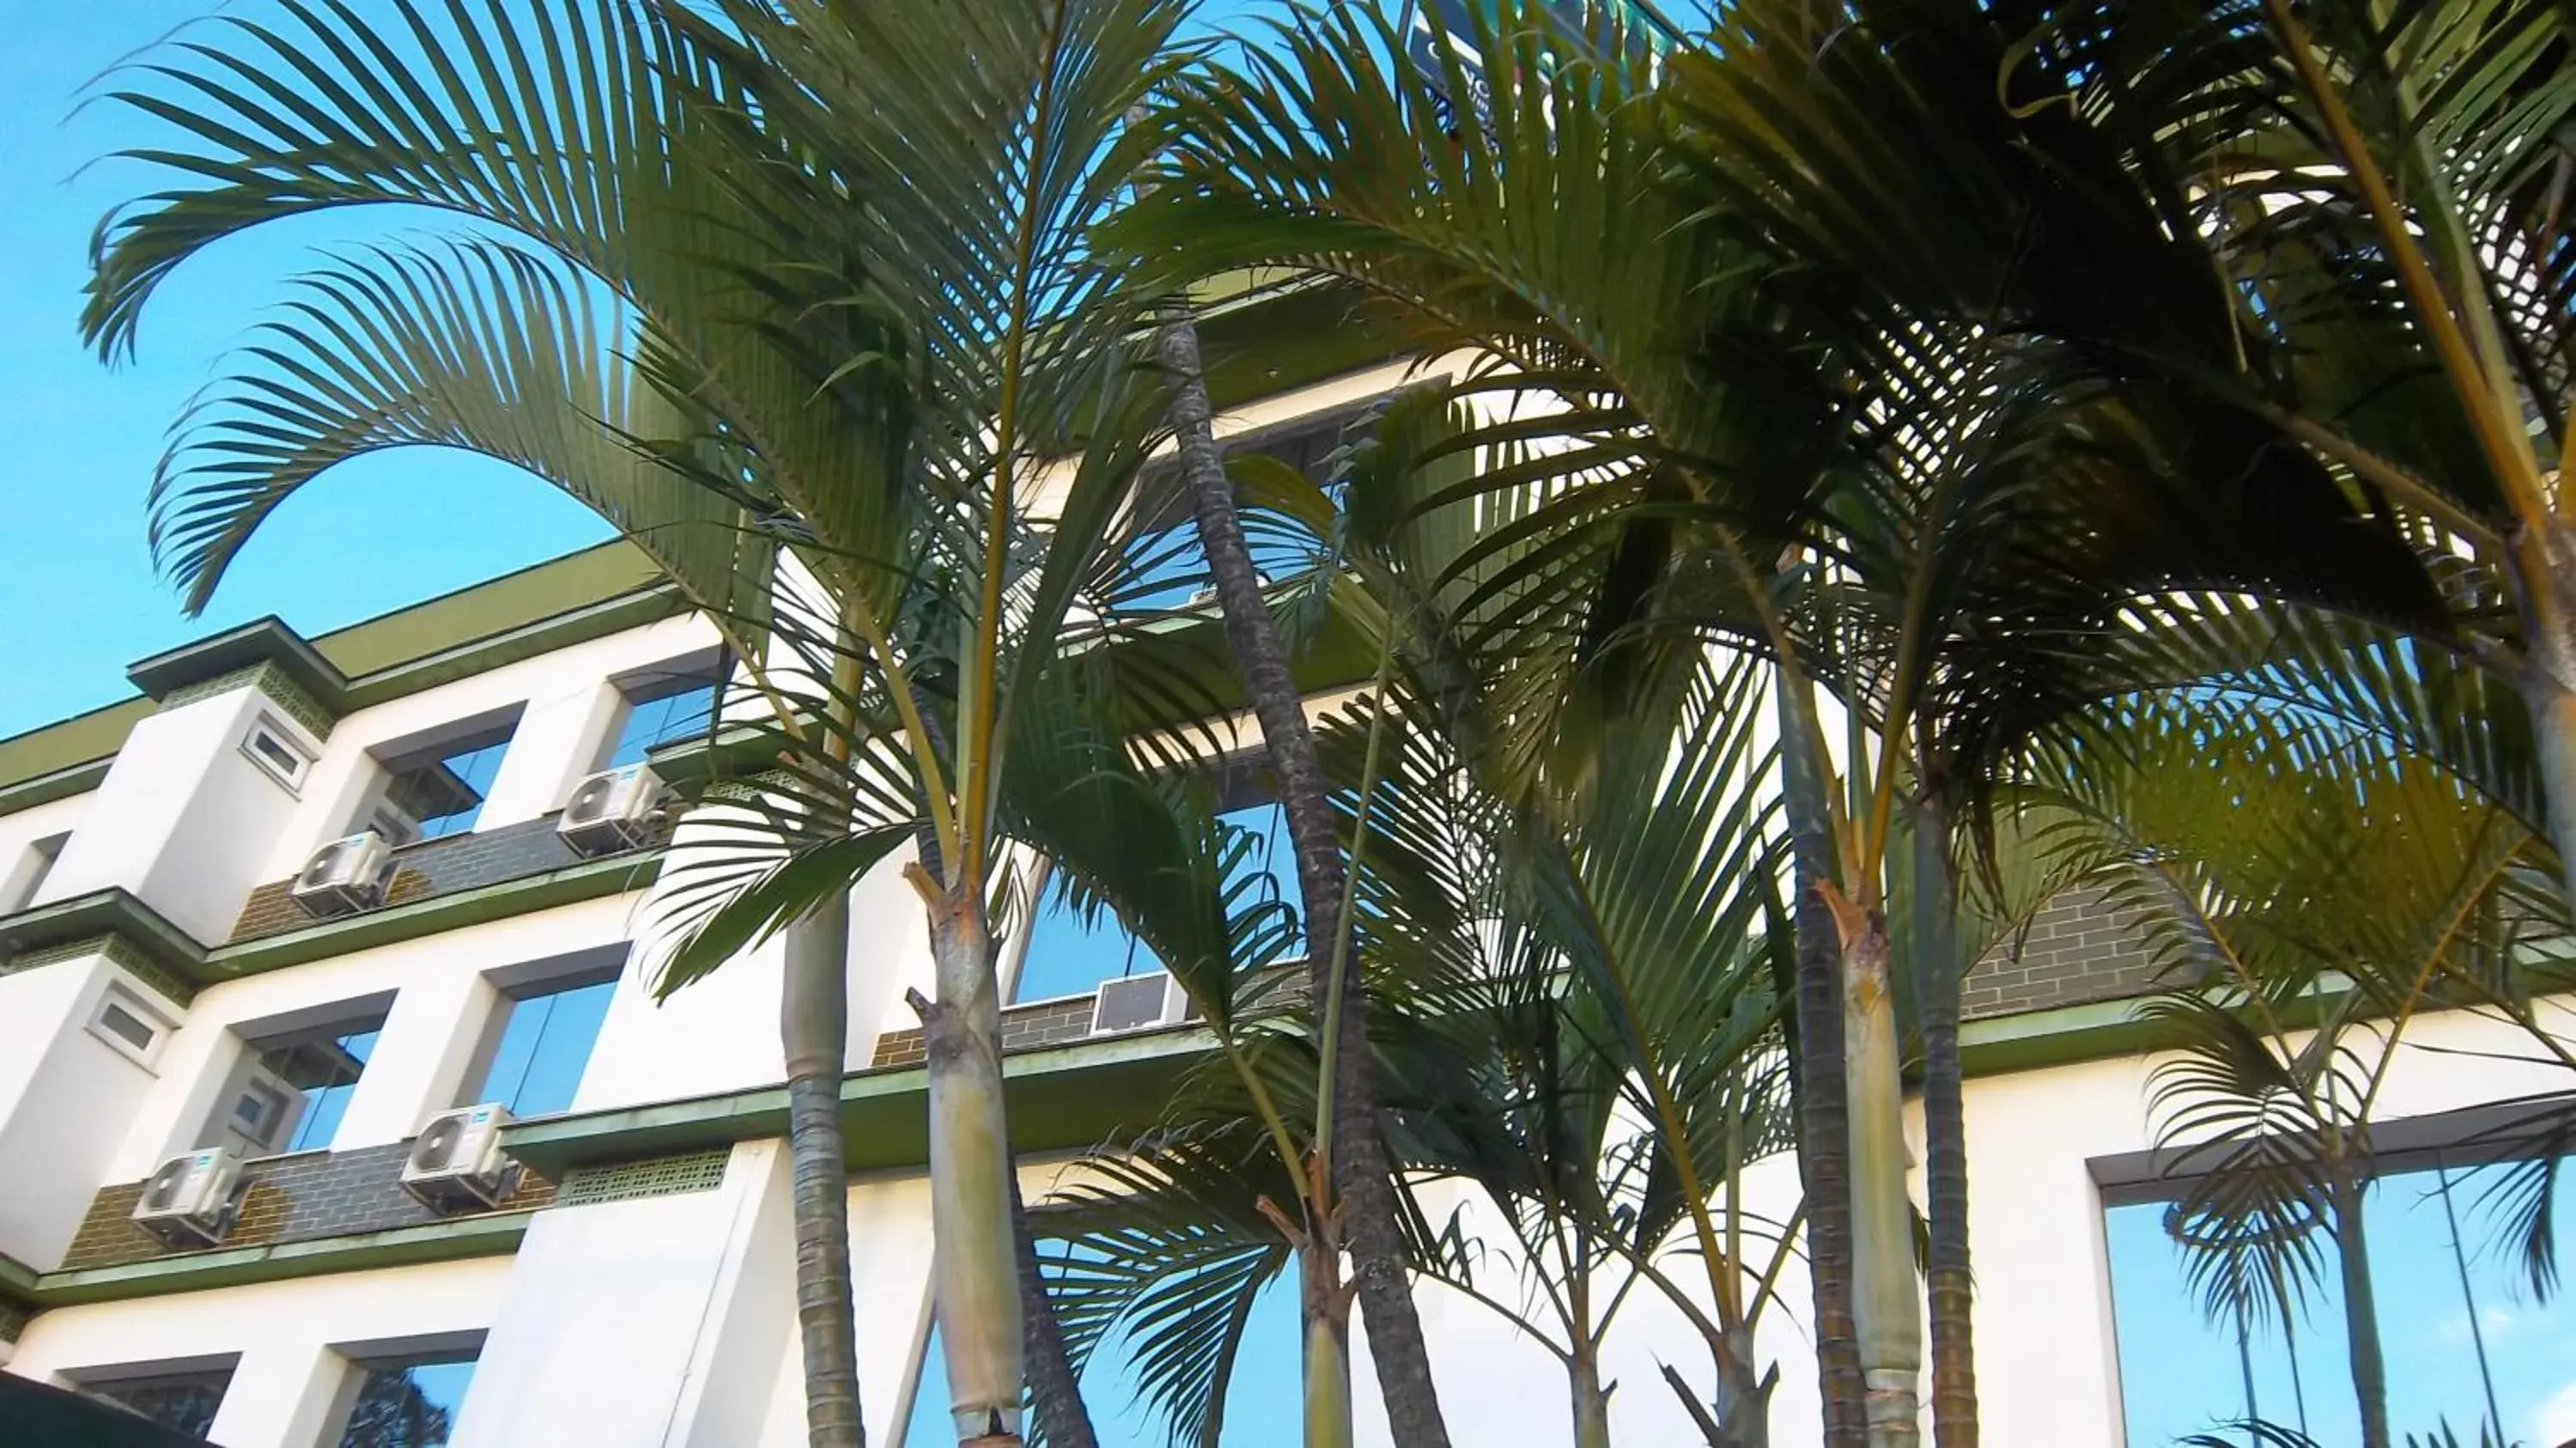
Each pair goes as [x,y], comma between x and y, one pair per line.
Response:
[324,939]
[112,911]
[2059,1036]
[1060,1097]
[489,1235]
[17,1281]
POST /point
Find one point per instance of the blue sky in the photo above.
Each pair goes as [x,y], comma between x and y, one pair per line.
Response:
[76,578]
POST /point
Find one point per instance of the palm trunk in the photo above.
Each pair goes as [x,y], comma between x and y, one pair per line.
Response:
[1328,1348]
[1824,1107]
[1884,1302]
[2548,605]
[2360,1307]
[1743,1399]
[1591,1404]
[974,1256]
[1949,1282]
[1063,1421]
[814,1027]
[1362,1177]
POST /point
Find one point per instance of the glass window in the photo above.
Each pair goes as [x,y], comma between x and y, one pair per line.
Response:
[181,1402]
[291,1093]
[663,711]
[430,793]
[2463,1340]
[1069,956]
[1264,1402]
[545,1041]
[409,1404]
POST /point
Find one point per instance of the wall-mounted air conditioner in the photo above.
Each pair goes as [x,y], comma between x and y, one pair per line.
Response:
[345,876]
[613,810]
[1139,1003]
[456,1163]
[190,1201]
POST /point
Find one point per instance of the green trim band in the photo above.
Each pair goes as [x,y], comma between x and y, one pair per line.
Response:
[324,939]
[60,784]
[480,1236]
[1060,1098]
[66,928]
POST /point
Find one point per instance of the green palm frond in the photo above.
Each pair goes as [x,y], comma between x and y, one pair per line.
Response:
[475,345]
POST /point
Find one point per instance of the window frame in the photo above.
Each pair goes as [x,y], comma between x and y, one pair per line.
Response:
[303,754]
[699,669]
[397,759]
[120,997]
[535,980]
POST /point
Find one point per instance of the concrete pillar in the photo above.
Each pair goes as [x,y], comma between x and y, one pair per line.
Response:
[66,1096]
[622,1319]
[181,800]
[420,1059]
[283,1394]
[558,739]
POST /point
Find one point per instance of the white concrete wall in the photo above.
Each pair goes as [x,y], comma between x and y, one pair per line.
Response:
[65,1095]
[20,832]
[620,1315]
[293,1339]
[184,803]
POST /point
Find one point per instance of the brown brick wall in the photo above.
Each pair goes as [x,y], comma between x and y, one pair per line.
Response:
[290,1199]
[430,868]
[2078,949]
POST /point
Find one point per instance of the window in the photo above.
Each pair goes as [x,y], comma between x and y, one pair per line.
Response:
[291,1092]
[270,746]
[438,790]
[544,1040]
[1264,1400]
[182,1402]
[27,877]
[1166,570]
[2462,1339]
[408,1402]
[125,1023]
[1068,955]
[663,708]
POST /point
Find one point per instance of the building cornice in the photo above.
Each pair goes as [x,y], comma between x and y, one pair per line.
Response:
[489,1235]
[1059,1098]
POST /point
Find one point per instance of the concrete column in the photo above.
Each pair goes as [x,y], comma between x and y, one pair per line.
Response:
[65,1099]
[558,739]
[421,1056]
[182,798]
[615,1310]
[283,1394]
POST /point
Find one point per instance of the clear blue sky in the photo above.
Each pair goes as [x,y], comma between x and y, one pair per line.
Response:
[77,587]
[77,583]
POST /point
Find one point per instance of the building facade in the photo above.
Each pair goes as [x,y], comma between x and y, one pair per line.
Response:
[164,991]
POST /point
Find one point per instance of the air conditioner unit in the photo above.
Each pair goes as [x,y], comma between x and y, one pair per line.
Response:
[1137,1003]
[616,809]
[190,1201]
[345,876]
[456,1162]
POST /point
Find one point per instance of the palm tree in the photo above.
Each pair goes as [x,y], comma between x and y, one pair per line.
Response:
[1362,1200]
[2310,893]
[788,279]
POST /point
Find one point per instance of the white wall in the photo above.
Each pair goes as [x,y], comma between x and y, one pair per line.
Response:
[292,1338]
[19,832]
[618,1314]
[183,800]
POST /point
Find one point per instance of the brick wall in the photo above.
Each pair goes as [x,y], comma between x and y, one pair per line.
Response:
[2079,949]
[290,1199]
[430,868]
[1052,1023]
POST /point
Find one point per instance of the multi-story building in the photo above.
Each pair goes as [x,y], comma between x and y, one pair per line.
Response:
[183,973]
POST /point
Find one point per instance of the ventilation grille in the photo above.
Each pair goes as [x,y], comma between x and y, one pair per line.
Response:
[661,1176]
